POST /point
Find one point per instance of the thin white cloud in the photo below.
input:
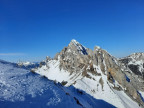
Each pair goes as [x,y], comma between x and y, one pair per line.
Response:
[12,54]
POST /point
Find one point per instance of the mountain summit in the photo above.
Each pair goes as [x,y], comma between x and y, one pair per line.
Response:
[77,47]
[97,73]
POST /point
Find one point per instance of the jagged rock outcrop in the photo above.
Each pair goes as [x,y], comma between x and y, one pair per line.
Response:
[75,57]
[91,68]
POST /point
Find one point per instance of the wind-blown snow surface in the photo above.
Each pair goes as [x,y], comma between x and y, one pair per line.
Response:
[90,86]
[20,88]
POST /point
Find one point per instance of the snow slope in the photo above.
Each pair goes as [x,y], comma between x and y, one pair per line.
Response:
[19,88]
[90,86]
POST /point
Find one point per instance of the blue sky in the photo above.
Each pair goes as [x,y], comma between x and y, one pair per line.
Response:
[33,29]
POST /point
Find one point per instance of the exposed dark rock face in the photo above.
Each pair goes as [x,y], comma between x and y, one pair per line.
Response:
[125,61]
[135,69]
[77,101]
[42,63]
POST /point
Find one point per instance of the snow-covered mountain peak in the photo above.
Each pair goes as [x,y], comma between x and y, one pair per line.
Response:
[24,63]
[97,47]
[75,41]
[76,47]
[135,59]
[137,56]
[134,63]
[96,72]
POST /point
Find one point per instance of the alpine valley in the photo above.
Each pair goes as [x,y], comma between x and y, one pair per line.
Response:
[77,77]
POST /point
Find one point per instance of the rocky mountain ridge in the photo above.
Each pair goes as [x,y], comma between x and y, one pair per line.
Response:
[96,72]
